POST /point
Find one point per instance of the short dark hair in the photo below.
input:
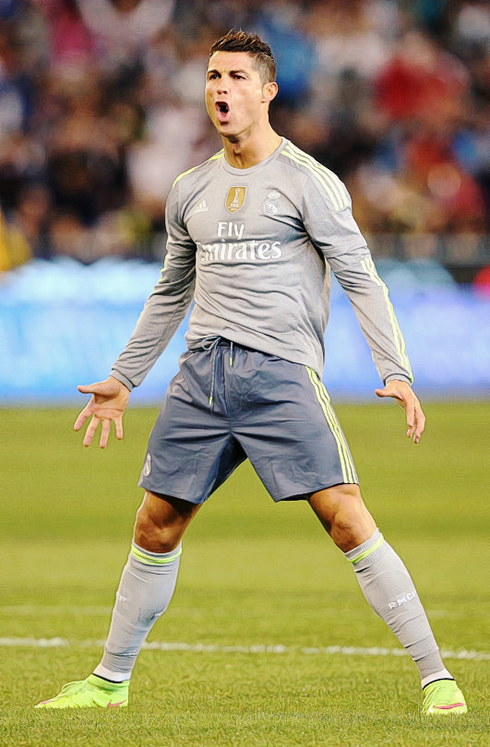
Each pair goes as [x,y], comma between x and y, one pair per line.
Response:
[240,41]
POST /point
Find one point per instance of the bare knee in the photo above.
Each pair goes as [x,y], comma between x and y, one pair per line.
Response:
[161,522]
[152,536]
[344,515]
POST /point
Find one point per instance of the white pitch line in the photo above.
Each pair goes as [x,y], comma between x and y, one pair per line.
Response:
[253,649]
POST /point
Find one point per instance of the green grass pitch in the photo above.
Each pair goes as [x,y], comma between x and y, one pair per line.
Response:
[253,575]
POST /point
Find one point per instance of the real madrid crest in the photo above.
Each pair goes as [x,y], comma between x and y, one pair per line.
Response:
[147,466]
[272,203]
[235,198]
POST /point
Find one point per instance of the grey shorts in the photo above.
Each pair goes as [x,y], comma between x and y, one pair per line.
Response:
[228,403]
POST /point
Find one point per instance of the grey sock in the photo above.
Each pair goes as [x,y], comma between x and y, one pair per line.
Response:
[387,586]
[144,593]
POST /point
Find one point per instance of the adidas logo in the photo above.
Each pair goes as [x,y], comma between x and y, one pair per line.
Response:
[201,208]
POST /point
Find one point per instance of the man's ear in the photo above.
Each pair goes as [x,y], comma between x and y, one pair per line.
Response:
[269,92]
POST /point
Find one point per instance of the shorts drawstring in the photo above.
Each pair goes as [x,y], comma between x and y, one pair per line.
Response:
[213,374]
[211,343]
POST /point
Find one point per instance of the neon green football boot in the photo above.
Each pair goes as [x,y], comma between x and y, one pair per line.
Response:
[94,692]
[443,698]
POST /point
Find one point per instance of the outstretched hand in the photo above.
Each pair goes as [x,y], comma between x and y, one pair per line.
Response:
[403,392]
[108,403]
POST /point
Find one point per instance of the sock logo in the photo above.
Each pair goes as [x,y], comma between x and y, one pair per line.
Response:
[402,600]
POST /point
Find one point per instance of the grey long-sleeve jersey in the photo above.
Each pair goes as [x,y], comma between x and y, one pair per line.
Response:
[253,248]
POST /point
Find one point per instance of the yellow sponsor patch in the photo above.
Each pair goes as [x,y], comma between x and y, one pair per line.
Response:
[235,198]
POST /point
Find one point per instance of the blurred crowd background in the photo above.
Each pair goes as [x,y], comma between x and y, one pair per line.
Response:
[101,106]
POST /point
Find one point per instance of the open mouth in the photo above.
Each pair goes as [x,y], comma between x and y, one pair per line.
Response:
[222,110]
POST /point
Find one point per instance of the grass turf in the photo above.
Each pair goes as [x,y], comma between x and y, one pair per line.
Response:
[253,574]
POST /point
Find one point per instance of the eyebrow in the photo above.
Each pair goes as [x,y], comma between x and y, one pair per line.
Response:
[231,72]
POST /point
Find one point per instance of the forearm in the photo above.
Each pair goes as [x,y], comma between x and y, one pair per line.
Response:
[159,320]
[369,297]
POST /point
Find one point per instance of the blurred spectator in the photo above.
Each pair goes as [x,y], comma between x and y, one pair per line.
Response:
[15,85]
[68,236]
[70,41]
[422,82]
[283,23]
[123,28]
[31,216]
[470,34]
[14,248]
[350,35]
[85,162]
[482,281]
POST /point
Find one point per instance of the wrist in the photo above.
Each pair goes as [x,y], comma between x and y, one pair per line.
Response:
[122,380]
[398,377]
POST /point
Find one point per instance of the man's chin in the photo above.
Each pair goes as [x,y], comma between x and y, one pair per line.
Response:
[224,128]
[230,131]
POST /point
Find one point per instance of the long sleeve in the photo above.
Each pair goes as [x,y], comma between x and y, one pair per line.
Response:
[167,305]
[334,232]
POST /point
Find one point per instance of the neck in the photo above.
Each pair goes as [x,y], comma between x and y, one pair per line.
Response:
[248,150]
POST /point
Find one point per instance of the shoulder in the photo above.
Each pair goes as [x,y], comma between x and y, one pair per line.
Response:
[315,176]
[190,182]
[189,176]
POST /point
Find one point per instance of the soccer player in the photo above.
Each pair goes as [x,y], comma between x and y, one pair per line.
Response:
[252,236]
